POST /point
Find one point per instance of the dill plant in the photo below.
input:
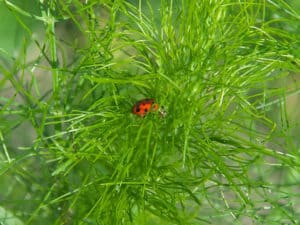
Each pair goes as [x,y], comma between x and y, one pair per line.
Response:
[225,151]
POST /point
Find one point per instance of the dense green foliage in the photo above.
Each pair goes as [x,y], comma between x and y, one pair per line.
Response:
[224,71]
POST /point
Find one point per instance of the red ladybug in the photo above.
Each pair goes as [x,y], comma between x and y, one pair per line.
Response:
[144,106]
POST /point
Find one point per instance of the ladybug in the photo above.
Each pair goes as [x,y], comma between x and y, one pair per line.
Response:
[144,106]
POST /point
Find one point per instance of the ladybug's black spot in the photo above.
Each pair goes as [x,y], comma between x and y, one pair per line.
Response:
[146,110]
[137,109]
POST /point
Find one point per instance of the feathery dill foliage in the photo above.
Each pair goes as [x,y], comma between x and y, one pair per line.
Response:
[225,151]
